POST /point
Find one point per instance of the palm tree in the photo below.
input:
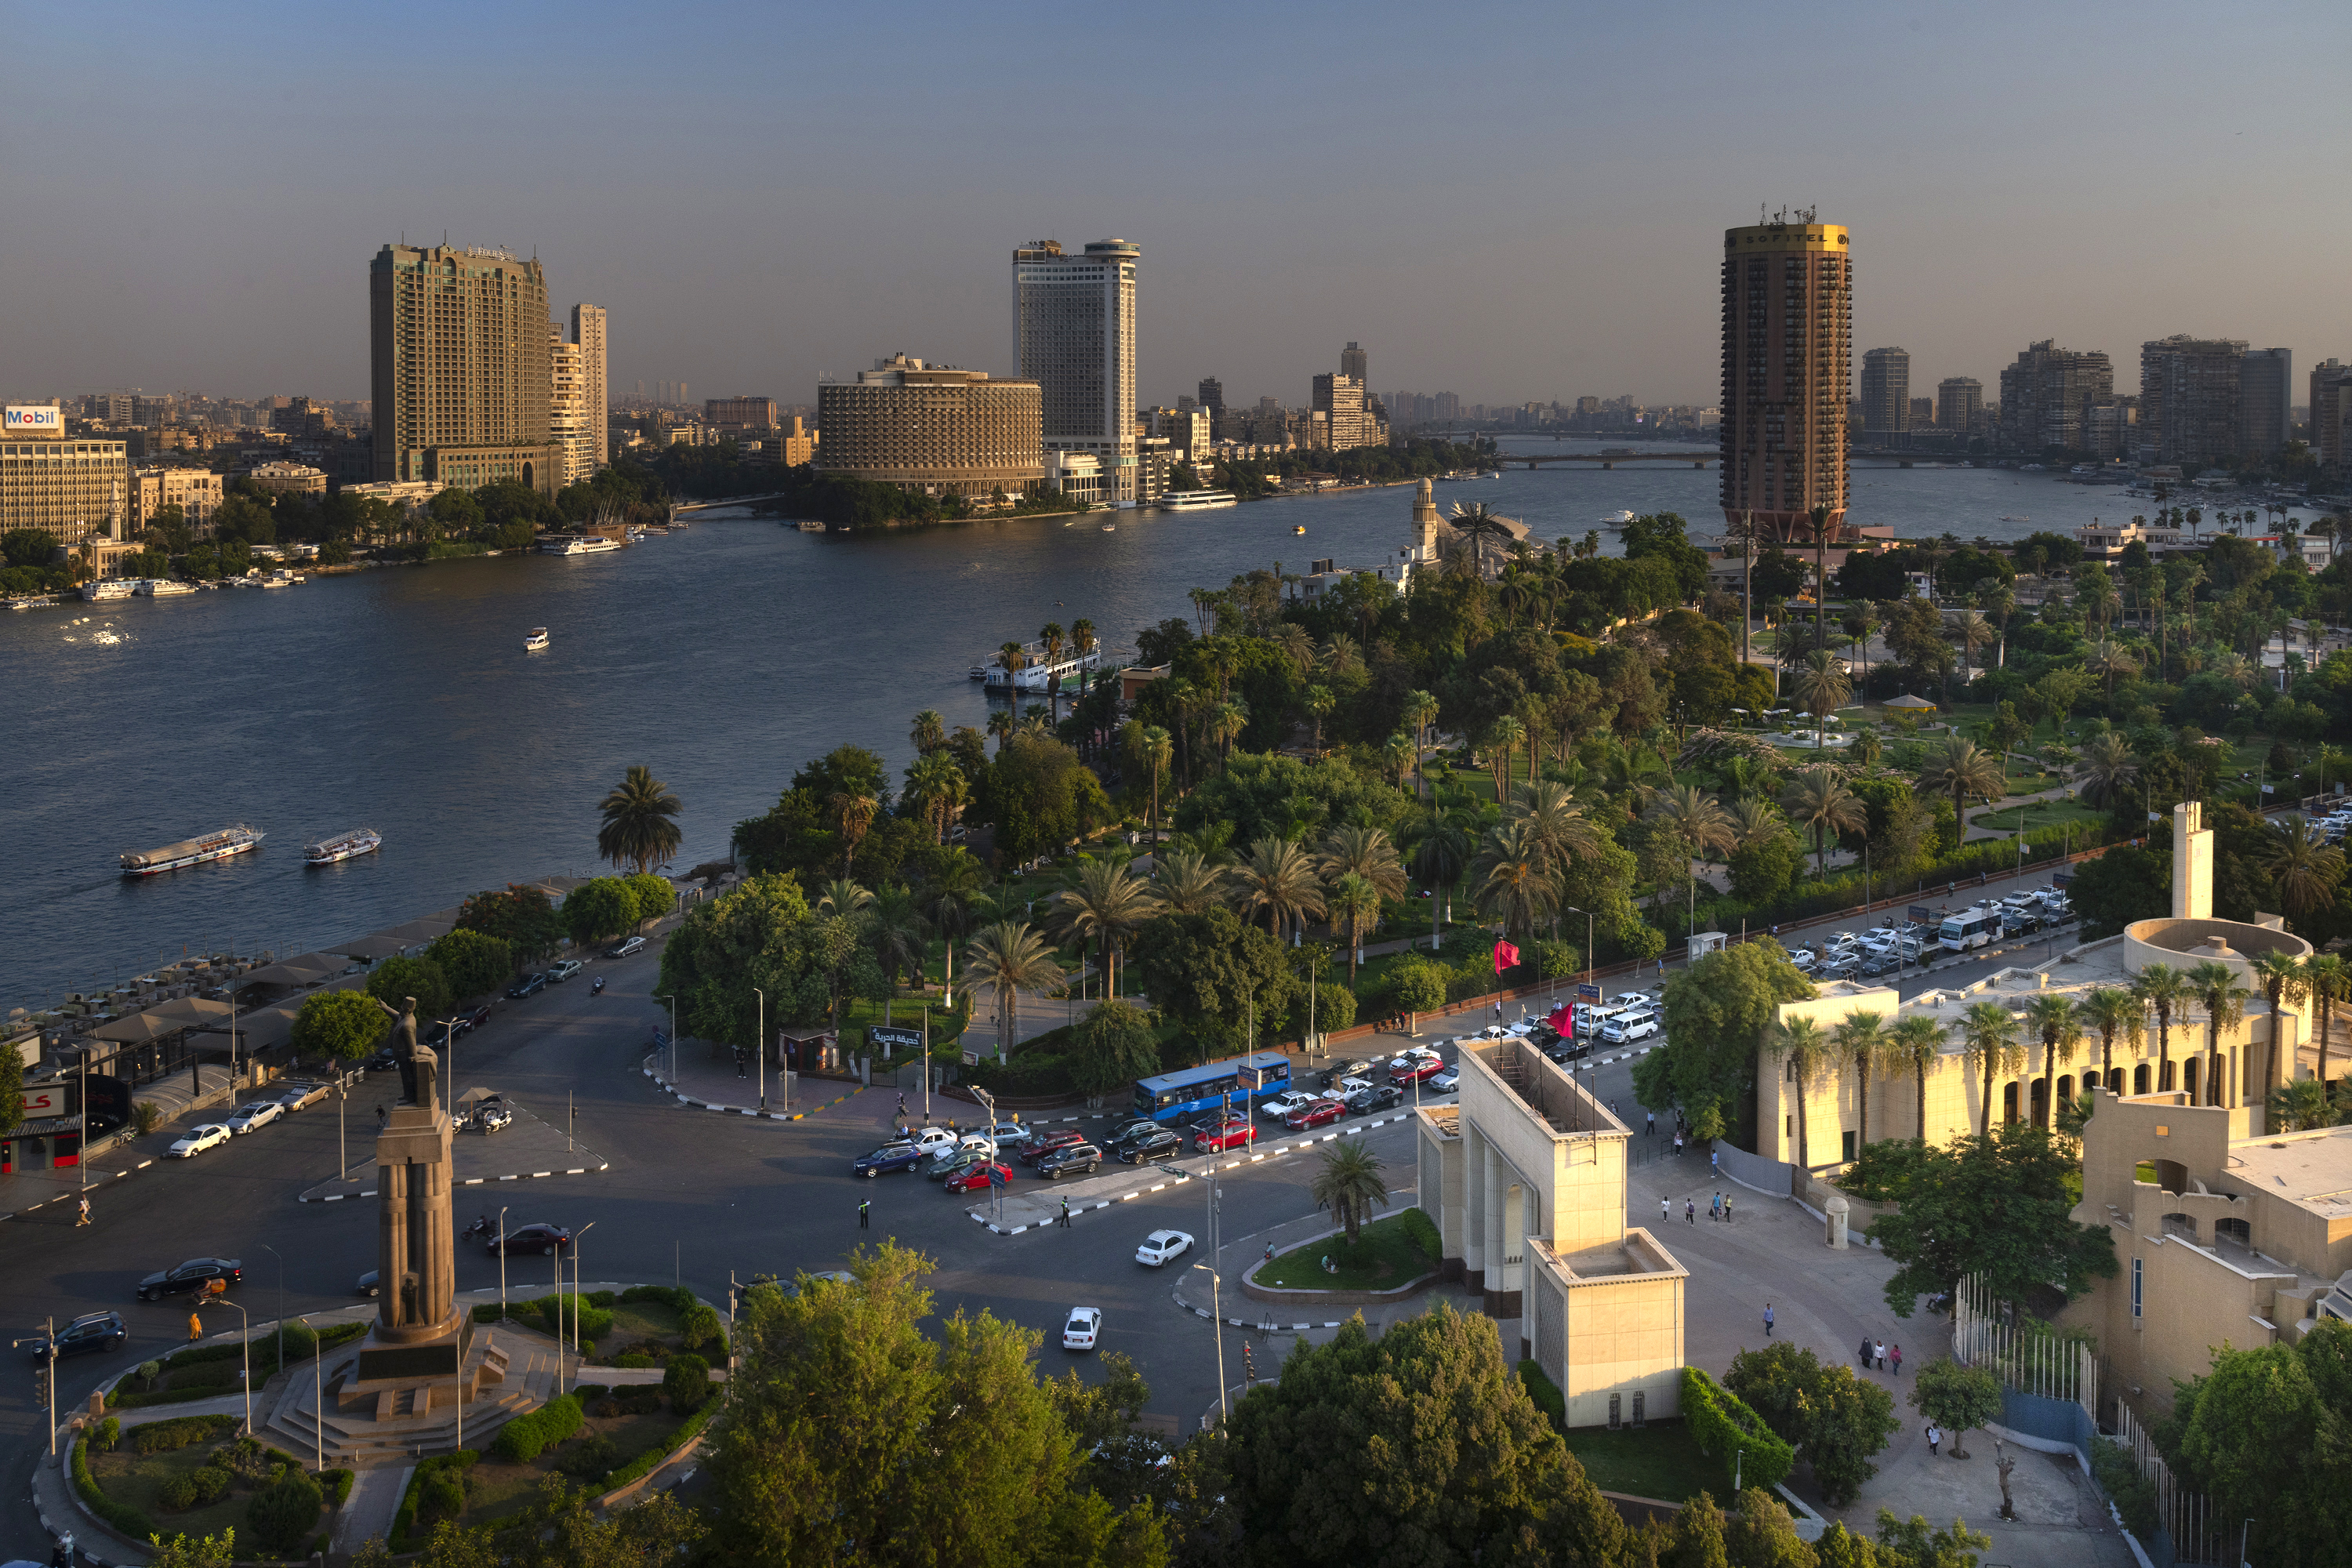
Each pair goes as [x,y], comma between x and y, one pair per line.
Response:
[1366,852]
[1557,820]
[1861,1038]
[637,828]
[1355,911]
[1516,886]
[2301,1106]
[939,786]
[843,897]
[1802,1047]
[1915,1041]
[1502,739]
[1989,1039]
[2160,988]
[1339,656]
[1006,958]
[1821,687]
[2304,866]
[1158,749]
[2107,770]
[1480,529]
[929,732]
[1818,798]
[2216,984]
[1754,822]
[2000,604]
[1082,643]
[1397,755]
[1959,770]
[1278,877]
[1421,711]
[2109,660]
[1442,847]
[1971,631]
[895,926]
[2112,1011]
[955,901]
[1000,724]
[854,811]
[2055,1018]
[1104,903]
[1226,722]
[2329,980]
[1698,816]
[1320,701]
[1050,637]
[1187,883]
[2282,981]
[1010,657]
[1348,1183]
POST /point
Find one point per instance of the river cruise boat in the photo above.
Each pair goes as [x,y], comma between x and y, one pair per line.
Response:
[347,844]
[1036,674]
[106,588]
[228,841]
[1196,500]
[537,639]
[161,587]
[576,544]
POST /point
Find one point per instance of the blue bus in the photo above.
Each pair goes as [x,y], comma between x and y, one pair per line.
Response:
[1236,1080]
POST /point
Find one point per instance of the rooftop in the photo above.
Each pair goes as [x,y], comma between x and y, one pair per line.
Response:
[2310,1170]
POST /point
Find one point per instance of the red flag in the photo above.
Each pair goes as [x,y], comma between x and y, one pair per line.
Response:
[1505,956]
[1562,1020]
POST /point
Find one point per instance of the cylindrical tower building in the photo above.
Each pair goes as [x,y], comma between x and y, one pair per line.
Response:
[1788,352]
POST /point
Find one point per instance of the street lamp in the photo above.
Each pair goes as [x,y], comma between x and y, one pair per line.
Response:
[759,1045]
[449,1055]
[247,1317]
[502,1264]
[575,1285]
[1217,1327]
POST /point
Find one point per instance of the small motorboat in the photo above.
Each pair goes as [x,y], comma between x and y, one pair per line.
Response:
[538,639]
[1110,527]
[1300,528]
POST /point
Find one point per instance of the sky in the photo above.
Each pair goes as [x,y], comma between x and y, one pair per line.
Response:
[1507,202]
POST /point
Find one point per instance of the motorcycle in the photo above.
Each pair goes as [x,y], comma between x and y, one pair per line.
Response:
[598,988]
[481,1226]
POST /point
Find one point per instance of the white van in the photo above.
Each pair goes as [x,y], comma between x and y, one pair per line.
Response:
[1970,928]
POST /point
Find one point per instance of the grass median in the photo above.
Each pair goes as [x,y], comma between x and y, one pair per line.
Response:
[1387,1254]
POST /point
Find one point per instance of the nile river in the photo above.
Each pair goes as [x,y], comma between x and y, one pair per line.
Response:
[722,656]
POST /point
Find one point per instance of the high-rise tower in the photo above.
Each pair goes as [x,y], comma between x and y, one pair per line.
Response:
[1354,362]
[1788,352]
[1886,397]
[458,346]
[588,332]
[1074,325]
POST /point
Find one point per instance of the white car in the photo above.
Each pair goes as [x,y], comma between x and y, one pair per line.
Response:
[930,1140]
[261,1114]
[1080,1332]
[1274,1107]
[196,1139]
[1844,939]
[1631,999]
[1412,1056]
[1162,1244]
[1347,1086]
[1802,958]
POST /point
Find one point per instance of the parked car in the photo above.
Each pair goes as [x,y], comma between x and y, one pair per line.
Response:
[1414,1066]
[1071,1159]
[296,1094]
[1840,966]
[195,1274]
[1879,963]
[1050,1143]
[889,1157]
[978,1176]
[1370,1097]
[253,1114]
[91,1332]
[1321,1113]
[628,947]
[1160,1246]
[198,1139]
[1236,1133]
[529,985]
[564,969]
[1164,1144]
[1348,1068]
[1084,1327]
[1803,959]
[473,1018]
[546,1240]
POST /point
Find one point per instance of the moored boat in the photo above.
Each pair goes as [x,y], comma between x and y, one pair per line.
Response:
[350,844]
[537,639]
[104,588]
[1196,500]
[232,840]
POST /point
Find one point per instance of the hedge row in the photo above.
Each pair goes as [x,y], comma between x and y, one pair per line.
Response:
[405,1520]
[128,1520]
[1545,1393]
[644,1464]
[1723,1424]
[526,1437]
[162,1437]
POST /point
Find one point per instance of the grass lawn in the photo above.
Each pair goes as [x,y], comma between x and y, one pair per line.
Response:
[1387,1253]
[637,1321]
[2042,813]
[495,1487]
[139,1479]
[1660,1462]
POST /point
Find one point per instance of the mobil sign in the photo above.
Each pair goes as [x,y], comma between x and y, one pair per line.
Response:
[32,419]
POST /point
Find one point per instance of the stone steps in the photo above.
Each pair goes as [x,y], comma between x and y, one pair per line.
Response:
[399,1434]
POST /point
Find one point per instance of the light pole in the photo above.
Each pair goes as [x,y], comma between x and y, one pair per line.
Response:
[48,1343]
[342,1153]
[759,1045]
[502,1265]
[1217,1327]
[247,1317]
[988,1104]
[672,1053]
[575,1282]
[559,1322]
[449,1056]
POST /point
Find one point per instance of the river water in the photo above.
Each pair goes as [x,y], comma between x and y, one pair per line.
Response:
[722,656]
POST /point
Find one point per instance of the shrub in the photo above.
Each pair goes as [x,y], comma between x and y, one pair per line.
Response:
[702,1330]
[1334,1009]
[2133,1494]
[588,1393]
[110,1433]
[340,1483]
[1723,1425]
[634,1360]
[463,1459]
[644,1464]
[489,1312]
[1545,1393]
[443,1493]
[129,1520]
[145,1116]
[525,1438]
[163,1437]
[677,1296]
[688,1382]
[638,1399]
[1424,1232]
[283,1513]
[601,1298]
[589,1458]
[556,1311]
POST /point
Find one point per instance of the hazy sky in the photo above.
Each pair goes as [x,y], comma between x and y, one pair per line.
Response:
[1508,203]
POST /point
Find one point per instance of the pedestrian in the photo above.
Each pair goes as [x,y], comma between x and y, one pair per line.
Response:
[1065,1214]
[1882,1355]
[1865,1353]
[1715,1161]
[1650,1129]
[1935,1441]
[382,1116]
[1678,1145]
[1767,1319]
[196,1327]
[1665,1209]
[865,1215]
[902,1105]
[1715,1208]
[1897,1355]
[1690,1210]
[85,1210]
[1727,1208]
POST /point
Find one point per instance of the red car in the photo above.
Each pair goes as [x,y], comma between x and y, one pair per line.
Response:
[1039,1147]
[1239,1133]
[1315,1115]
[977,1177]
[547,1241]
[1414,1070]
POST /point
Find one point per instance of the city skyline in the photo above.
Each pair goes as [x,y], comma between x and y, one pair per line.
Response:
[1413,238]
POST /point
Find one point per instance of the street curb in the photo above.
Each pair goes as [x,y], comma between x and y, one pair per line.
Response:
[1209,1317]
[1176,1175]
[474,1181]
[103,1176]
[691,1103]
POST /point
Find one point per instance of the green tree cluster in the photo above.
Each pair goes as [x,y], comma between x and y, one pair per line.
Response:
[344,1025]
[519,916]
[1836,1422]
[1716,1012]
[2265,1435]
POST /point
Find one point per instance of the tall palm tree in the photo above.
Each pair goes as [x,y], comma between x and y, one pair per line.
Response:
[955,901]
[2055,1018]
[1442,847]
[1339,656]
[1397,755]
[2107,770]
[1226,722]
[1000,724]
[1821,687]
[1861,1039]
[1355,910]
[1915,1041]
[1083,642]
[2161,989]
[1502,739]
[1421,711]
[2330,980]
[1481,528]
[2280,979]
[1819,799]
[1321,701]
[1754,822]
[1006,958]
[638,829]
[2000,603]
[1050,637]
[1557,820]
[899,936]
[1971,631]
[929,732]
[854,811]
[1366,852]
[1803,1047]
[1350,1184]
[1010,657]
[2304,866]
[1698,816]
[1958,769]
[843,897]
[937,786]
[2217,985]
[2112,1011]
[1187,883]
[1989,1039]
[1104,903]
[1159,751]
[1279,878]
[2110,661]
[1517,886]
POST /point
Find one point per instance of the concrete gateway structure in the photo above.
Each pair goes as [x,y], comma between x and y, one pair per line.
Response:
[1526,1177]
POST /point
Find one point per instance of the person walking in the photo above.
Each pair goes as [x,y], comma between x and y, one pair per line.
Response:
[196,1327]
[1715,1161]
[1882,1355]
[1678,1145]
[84,1219]
[1690,1210]
[1715,1208]
[1935,1441]
[1650,1129]
[865,1215]
[1727,1208]
[1864,1352]
[381,1117]
[1065,1214]
[1898,1353]
[1665,1209]
[902,1106]
[1767,1319]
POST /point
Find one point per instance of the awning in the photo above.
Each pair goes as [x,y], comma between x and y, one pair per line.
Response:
[368,949]
[1915,703]
[190,1010]
[139,1029]
[476,1096]
[307,970]
[416,930]
[266,1029]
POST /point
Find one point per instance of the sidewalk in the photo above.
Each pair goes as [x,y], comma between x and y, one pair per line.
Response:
[707,1080]
[123,1153]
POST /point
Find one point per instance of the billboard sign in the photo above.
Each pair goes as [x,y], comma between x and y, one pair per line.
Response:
[32,419]
[1256,1075]
[1922,915]
[894,1037]
[1588,993]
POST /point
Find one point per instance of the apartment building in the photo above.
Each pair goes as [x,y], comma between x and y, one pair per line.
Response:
[196,491]
[1960,402]
[2190,407]
[2044,393]
[76,490]
[1886,397]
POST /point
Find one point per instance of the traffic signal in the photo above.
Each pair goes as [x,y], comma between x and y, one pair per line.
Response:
[43,1375]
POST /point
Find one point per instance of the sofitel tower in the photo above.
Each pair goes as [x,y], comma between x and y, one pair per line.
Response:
[1787,350]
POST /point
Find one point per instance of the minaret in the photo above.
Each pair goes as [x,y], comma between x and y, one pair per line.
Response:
[1425,521]
[2193,863]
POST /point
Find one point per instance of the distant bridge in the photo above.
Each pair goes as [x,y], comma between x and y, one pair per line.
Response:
[1607,459]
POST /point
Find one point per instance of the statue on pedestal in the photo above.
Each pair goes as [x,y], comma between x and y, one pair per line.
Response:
[420,1064]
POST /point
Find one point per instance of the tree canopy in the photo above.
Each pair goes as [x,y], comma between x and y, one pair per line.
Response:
[1717,1011]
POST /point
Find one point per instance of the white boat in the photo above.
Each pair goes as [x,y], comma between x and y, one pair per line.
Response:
[1196,501]
[347,844]
[161,587]
[104,588]
[282,578]
[232,840]
[1614,519]
[1036,675]
[538,639]
[576,544]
